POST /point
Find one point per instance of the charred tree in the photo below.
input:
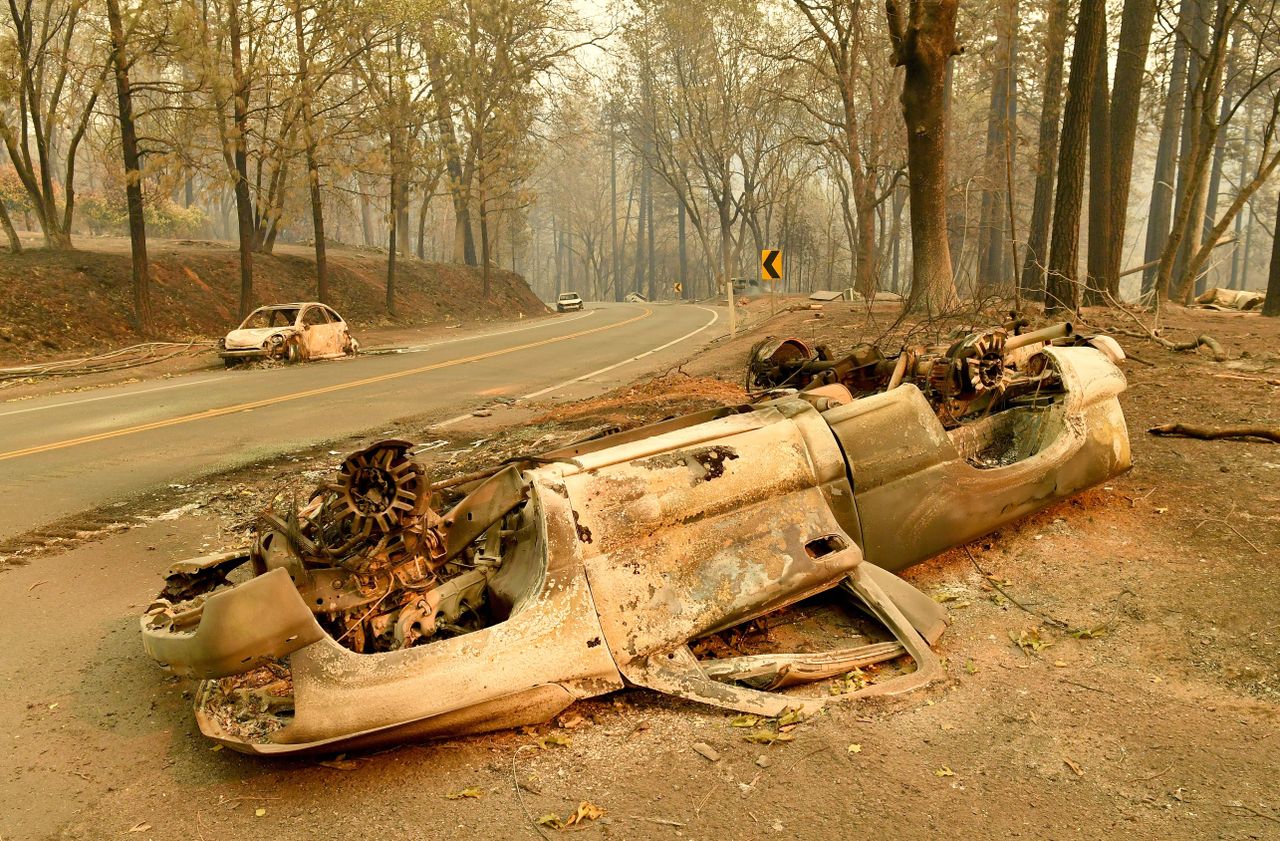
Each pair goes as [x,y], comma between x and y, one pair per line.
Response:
[1002,120]
[15,244]
[685,286]
[1126,93]
[141,269]
[1160,212]
[640,222]
[652,268]
[1197,35]
[1240,251]
[240,156]
[1033,266]
[1099,177]
[1271,307]
[923,38]
[392,218]
[464,239]
[313,166]
[615,259]
[1215,178]
[1183,253]
[1062,282]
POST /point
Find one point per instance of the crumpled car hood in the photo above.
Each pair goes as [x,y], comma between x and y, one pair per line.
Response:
[254,336]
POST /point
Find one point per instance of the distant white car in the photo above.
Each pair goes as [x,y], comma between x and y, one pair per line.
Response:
[568,301]
[291,333]
[635,298]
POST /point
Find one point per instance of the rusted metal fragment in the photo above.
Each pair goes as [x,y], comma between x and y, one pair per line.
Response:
[778,671]
[481,508]
[233,630]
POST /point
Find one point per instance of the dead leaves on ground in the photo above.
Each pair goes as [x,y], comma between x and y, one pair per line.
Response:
[558,740]
[1034,640]
[586,811]
[767,731]
[469,792]
[1031,640]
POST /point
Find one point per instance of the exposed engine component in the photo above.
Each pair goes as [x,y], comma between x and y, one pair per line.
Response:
[380,487]
[968,376]
[373,559]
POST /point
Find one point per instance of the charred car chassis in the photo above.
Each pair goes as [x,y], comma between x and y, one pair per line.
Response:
[389,608]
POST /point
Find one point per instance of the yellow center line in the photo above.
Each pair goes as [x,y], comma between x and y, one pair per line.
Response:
[299,395]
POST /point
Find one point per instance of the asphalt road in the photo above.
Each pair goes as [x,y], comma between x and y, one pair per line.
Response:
[72,452]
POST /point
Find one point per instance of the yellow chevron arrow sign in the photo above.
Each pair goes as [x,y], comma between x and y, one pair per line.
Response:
[771,264]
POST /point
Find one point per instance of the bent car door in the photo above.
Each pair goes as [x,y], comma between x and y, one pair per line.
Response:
[320,337]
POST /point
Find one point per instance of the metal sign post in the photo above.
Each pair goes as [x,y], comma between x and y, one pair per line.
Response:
[733,314]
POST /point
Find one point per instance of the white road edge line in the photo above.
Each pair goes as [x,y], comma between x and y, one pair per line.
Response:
[413,349]
[83,400]
[715,316]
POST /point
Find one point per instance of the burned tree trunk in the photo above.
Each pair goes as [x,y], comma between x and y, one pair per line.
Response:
[924,40]
[1099,177]
[640,222]
[459,191]
[1061,284]
[1197,35]
[1184,239]
[313,167]
[1271,307]
[240,116]
[1126,93]
[132,175]
[652,255]
[1033,266]
[1160,213]
[15,244]
[392,217]
[685,286]
[1215,180]
[1002,121]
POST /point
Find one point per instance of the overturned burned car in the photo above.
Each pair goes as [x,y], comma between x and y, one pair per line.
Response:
[387,607]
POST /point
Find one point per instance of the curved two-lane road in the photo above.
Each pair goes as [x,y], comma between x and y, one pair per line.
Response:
[67,453]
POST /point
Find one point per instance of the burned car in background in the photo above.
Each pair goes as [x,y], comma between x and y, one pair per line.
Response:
[388,607]
[290,333]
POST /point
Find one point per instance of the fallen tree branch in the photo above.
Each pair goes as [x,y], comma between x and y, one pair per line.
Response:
[1266,380]
[1211,433]
[1219,355]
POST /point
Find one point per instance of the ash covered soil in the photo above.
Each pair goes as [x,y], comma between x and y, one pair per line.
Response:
[1157,718]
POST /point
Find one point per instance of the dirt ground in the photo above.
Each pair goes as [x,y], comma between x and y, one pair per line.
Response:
[1161,723]
[76,302]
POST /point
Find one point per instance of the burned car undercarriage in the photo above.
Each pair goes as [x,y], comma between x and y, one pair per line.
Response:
[386,607]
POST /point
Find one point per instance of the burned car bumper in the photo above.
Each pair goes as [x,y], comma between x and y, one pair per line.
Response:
[389,608]
[234,629]
[248,353]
